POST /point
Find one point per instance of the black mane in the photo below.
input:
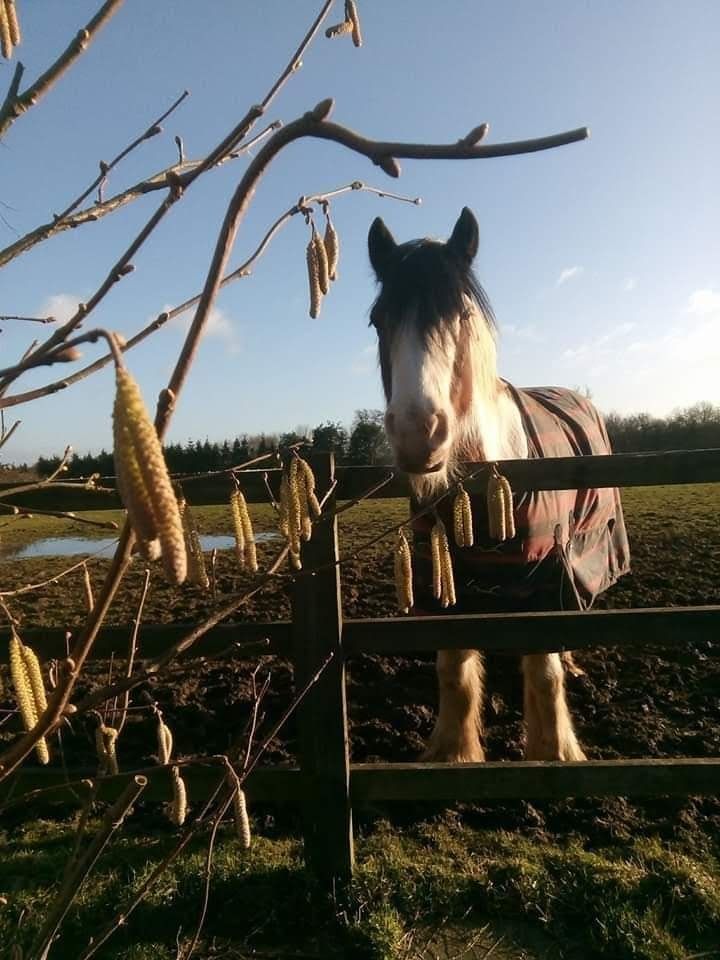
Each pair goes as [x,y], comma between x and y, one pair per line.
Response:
[426,278]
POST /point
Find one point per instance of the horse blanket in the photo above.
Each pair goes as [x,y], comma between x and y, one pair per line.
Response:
[570,545]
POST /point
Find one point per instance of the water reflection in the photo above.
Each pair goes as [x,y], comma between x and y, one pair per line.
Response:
[75,546]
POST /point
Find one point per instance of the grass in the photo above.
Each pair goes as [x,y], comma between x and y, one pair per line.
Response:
[553,898]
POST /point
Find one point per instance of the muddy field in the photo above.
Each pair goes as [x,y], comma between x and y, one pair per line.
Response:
[656,700]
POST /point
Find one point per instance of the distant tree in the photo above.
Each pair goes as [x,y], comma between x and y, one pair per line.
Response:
[331,436]
[368,441]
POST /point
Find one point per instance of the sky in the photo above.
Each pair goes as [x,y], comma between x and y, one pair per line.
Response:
[601,259]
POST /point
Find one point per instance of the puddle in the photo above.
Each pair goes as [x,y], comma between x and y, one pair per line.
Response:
[77,546]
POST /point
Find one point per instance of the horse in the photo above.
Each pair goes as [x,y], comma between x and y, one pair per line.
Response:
[446,404]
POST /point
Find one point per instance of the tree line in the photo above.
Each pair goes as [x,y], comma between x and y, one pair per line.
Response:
[365,442]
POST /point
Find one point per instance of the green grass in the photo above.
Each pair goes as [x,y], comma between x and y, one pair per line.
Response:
[646,900]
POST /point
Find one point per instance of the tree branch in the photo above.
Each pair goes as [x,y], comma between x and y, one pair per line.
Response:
[15,104]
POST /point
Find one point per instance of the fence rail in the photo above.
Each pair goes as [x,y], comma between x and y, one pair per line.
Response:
[326,784]
[560,473]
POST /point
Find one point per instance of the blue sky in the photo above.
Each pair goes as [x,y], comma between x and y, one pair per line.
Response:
[601,258]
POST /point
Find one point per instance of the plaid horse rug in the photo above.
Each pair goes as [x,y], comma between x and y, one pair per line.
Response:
[570,545]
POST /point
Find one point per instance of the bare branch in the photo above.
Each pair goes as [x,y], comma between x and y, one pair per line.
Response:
[60,514]
[243,270]
[9,316]
[16,104]
[111,823]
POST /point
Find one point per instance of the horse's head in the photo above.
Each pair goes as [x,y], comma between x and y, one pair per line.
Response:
[436,340]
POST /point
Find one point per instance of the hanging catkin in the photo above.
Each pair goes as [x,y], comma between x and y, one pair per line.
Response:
[442,572]
[462,518]
[403,573]
[351,14]
[29,690]
[313,266]
[197,572]
[178,807]
[501,521]
[13,22]
[143,477]
[6,44]
[164,741]
[106,749]
[331,242]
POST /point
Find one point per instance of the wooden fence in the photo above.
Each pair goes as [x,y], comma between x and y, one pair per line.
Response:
[326,785]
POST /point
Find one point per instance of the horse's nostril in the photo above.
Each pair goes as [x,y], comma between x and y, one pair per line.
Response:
[431,425]
[390,422]
[436,427]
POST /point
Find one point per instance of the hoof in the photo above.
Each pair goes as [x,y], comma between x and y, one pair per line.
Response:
[568,752]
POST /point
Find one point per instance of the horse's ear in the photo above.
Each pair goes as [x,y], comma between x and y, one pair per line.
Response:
[381,247]
[465,239]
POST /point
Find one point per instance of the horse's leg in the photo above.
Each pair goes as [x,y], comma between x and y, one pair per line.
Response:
[456,736]
[548,727]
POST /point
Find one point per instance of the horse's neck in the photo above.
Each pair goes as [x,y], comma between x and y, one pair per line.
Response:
[494,429]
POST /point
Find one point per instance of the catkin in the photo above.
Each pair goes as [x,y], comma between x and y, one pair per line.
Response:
[13,22]
[331,242]
[6,44]
[178,807]
[196,571]
[322,262]
[351,14]
[105,747]
[339,29]
[501,520]
[242,821]
[87,589]
[308,478]
[294,513]
[313,265]
[237,527]
[29,691]
[462,518]
[248,534]
[442,572]
[496,509]
[164,741]
[403,573]
[131,415]
[508,505]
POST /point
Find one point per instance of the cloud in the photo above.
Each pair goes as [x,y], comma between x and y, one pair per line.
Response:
[629,283]
[599,346]
[218,326]
[703,303]
[567,274]
[62,306]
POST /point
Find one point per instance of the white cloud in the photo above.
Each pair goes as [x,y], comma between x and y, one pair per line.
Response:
[629,284]
[703,303]
[62,306]
[219,326]
[598,346]
[567,274]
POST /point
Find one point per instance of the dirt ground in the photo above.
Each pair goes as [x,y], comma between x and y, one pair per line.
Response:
[655,700]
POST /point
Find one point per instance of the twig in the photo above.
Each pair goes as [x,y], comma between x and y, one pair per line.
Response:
[178,173]
[110,824]
[11,316]
[151,131]
[222,791]
[132,651]
[175,191]
[6,434]
[16,104]
[60,514]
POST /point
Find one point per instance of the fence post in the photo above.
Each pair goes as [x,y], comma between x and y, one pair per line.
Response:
[322,717]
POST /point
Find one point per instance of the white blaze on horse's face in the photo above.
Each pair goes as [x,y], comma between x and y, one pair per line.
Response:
[420,419]
[424,346]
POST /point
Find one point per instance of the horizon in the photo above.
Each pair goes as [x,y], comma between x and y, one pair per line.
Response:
[601,258]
